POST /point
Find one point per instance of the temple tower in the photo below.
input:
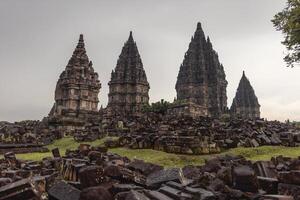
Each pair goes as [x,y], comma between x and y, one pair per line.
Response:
[201,79]
[78,86]
[128,87]
[245,103]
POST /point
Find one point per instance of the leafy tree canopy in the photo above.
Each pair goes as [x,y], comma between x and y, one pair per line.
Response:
[157,107]
[288,21]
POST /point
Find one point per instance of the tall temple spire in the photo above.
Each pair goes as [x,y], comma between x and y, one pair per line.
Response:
[201,78]
[245,103]
[77,89]
[128,84]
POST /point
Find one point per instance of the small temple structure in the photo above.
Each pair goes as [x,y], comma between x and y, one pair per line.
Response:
[77,89]
[245,103]
[128,86]
[201,82]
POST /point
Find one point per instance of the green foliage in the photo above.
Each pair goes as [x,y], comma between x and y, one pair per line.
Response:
[288,21]
[157,107]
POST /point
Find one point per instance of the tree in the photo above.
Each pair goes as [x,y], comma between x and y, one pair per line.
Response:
[157,107]
[288,21]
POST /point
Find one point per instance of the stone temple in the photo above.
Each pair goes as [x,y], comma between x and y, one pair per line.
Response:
[128,87]
[78,86]
[201,82]
[245,103]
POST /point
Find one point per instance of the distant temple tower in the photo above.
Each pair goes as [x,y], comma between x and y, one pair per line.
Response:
[201,81]
[245,103]
[78,86]
[128,87]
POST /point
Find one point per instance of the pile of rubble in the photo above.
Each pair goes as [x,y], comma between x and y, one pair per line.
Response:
[32,135]
[24,137]
[90,132]
[201,135]
[93,173]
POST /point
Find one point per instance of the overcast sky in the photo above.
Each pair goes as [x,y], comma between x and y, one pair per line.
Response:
[38,37]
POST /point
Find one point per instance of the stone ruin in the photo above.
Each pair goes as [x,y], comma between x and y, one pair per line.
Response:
[201,78]
[204,135]
[93,173]
[75,111]
[245,103]
[192,125]
[77,89]
[128,87]
[27,136]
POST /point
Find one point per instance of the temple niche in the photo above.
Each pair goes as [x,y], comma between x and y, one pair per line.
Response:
[245,103]
[77,89]
[201,82]
[128,86]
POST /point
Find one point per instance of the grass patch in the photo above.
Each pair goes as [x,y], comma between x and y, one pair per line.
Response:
[161,158]
[63,144]
[265,152]
[167,159]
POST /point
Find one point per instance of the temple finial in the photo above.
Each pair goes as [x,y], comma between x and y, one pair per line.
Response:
[81,37]
[80,41]
[199,26]
[130,36]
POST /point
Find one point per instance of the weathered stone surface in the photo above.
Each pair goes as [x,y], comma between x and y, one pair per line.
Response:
[95,193]
[134,195]
[23,189]
[91,176]
[289,189]
[77,89]
[269,185]
[201,79]
[144,167]
[63,191]
[161,176]
[128,87]
[224,177]
[203,135]
[244,179]
[245,103]
[290,177]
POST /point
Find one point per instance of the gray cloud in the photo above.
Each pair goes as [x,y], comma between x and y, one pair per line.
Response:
[38,37]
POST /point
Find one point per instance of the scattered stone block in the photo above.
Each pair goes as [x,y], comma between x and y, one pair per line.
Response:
[63,191]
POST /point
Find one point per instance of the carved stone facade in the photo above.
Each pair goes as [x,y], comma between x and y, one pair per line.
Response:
[128,87]
[77,89]
[187,109]
[201,79]
[245,103]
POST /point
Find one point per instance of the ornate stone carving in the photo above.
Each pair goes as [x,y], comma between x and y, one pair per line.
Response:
[201,77]
[78,86]
[128,87]
[245,103]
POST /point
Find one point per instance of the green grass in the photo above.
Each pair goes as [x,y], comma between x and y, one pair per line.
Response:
[161,158]
[167,159]
[265,152]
